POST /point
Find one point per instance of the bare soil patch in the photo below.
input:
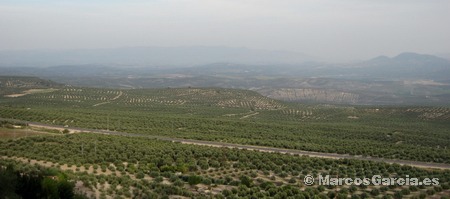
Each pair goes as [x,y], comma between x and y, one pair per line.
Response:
[17,133]
[32,91]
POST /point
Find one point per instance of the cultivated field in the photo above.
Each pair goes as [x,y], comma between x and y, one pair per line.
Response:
[122,167]
[245,117]
[114,166]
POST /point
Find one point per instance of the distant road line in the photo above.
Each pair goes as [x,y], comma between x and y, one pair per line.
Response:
[431,165]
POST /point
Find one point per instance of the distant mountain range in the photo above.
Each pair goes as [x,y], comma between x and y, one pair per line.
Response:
[402,66]
[405,65]
[408,78]
[150,56]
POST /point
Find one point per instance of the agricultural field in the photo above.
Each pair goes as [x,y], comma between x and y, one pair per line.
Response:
[105,166]
[14,86]
[11,130]
[244,117]
[6,133]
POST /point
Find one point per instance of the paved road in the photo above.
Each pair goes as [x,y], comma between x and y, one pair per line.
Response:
[240,146]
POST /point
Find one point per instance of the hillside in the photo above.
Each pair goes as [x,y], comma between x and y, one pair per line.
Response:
[16,85]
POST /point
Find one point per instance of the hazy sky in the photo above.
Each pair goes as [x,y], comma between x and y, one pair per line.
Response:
[332,29]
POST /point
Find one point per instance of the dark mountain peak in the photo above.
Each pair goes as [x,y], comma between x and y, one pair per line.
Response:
[409,56]
[406,65]
[407,59]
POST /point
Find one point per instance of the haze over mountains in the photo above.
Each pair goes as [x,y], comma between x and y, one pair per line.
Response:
[150,56]
[202,60]
[408,78]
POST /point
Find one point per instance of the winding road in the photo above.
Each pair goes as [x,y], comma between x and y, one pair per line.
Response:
[430,165]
